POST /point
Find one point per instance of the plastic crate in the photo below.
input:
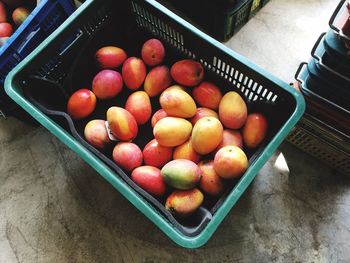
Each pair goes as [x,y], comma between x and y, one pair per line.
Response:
[219,21]
[42,21]
[323,133]
[340,22]
[100,22]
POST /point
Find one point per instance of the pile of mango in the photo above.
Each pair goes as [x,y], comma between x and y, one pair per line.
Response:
[200,134]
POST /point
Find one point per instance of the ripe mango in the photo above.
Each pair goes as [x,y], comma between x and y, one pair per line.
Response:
[211,183]
[206,135]
[133,72]
[254,130]
[181,174]
[171,131]
[232,110]
[139,105]
[186,151]
[207,95]
[177,103]
[157,80]
[184,203]
[122,123]
[187,72]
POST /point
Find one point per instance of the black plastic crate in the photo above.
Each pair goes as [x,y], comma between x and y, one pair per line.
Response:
[219,21]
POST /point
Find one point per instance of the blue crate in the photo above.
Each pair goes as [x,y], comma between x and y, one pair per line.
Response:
[43,20]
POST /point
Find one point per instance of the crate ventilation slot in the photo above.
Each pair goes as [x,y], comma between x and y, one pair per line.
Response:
[11,63]
[157,27]
[97,21]
[50,22]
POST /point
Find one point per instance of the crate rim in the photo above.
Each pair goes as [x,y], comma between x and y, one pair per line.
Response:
[126,191]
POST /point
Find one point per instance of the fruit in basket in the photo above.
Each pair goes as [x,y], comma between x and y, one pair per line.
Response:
[6,30]
[127,155]
[133,72]
[107,84]
[153,52]
[156,155]
[230,137]
[230,162]
[122,123]
[211,183]
[110,57]
[187,72]
[96,134]
[157,80]
[158,115]
[181,174]
[184,203]
[177,103]
[203,112]
[139,105]
[254,130]
[186,151]
[232,110]
[172,131]
[207,95]
[3,13]
[19,15]
[150,179]
[81,104]
[206,135]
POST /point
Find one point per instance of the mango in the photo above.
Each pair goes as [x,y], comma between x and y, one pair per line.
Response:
[153,52]
[81,104]
[133,72]
[187,72]
[156,155]
[3,13]
[127,155]
[203,112]
[211,183]
[139,105]
[184,203]
[232,110]
[207,95]
[158,115]
[107,84]
[19,15]
[149,179]
[230,137]
[96,134]
[230,162]
[186,151]
[110,57]
[254,130]
[122,123]
[206,135]
[181,174]
[157,80]
[6,29]
[177,103]
[171,131]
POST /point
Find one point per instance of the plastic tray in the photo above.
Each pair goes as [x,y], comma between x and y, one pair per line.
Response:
[98,23]
[42,21]
[221,22]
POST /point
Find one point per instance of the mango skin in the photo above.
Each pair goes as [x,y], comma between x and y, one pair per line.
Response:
[177,103]
[133,72]
[187,72]
[232,110]
[156,155]
[184,203]
[181,174]
[96,134]
[81,104]
[157,80]
[254,130]
[153,52]
[206,135]
[211,183]
[107,84]
[122,123]
[230,137]
[171,131]
[186,151]
[110,57]
[149,179]
[207,95]
[158,115]
[139,105]
[203,112]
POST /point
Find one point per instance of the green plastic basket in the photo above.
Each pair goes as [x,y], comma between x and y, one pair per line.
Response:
[98,20]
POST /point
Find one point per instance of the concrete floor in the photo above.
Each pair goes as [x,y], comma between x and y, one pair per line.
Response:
[55,208]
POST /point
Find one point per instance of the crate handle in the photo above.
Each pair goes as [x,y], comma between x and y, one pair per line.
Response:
[297,74]
[23,50]
[331,21]
[316,46]
[76,39]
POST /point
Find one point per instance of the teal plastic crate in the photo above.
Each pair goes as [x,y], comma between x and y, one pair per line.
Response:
[101,22]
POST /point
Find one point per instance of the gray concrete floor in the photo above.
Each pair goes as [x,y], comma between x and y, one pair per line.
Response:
[55,208]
